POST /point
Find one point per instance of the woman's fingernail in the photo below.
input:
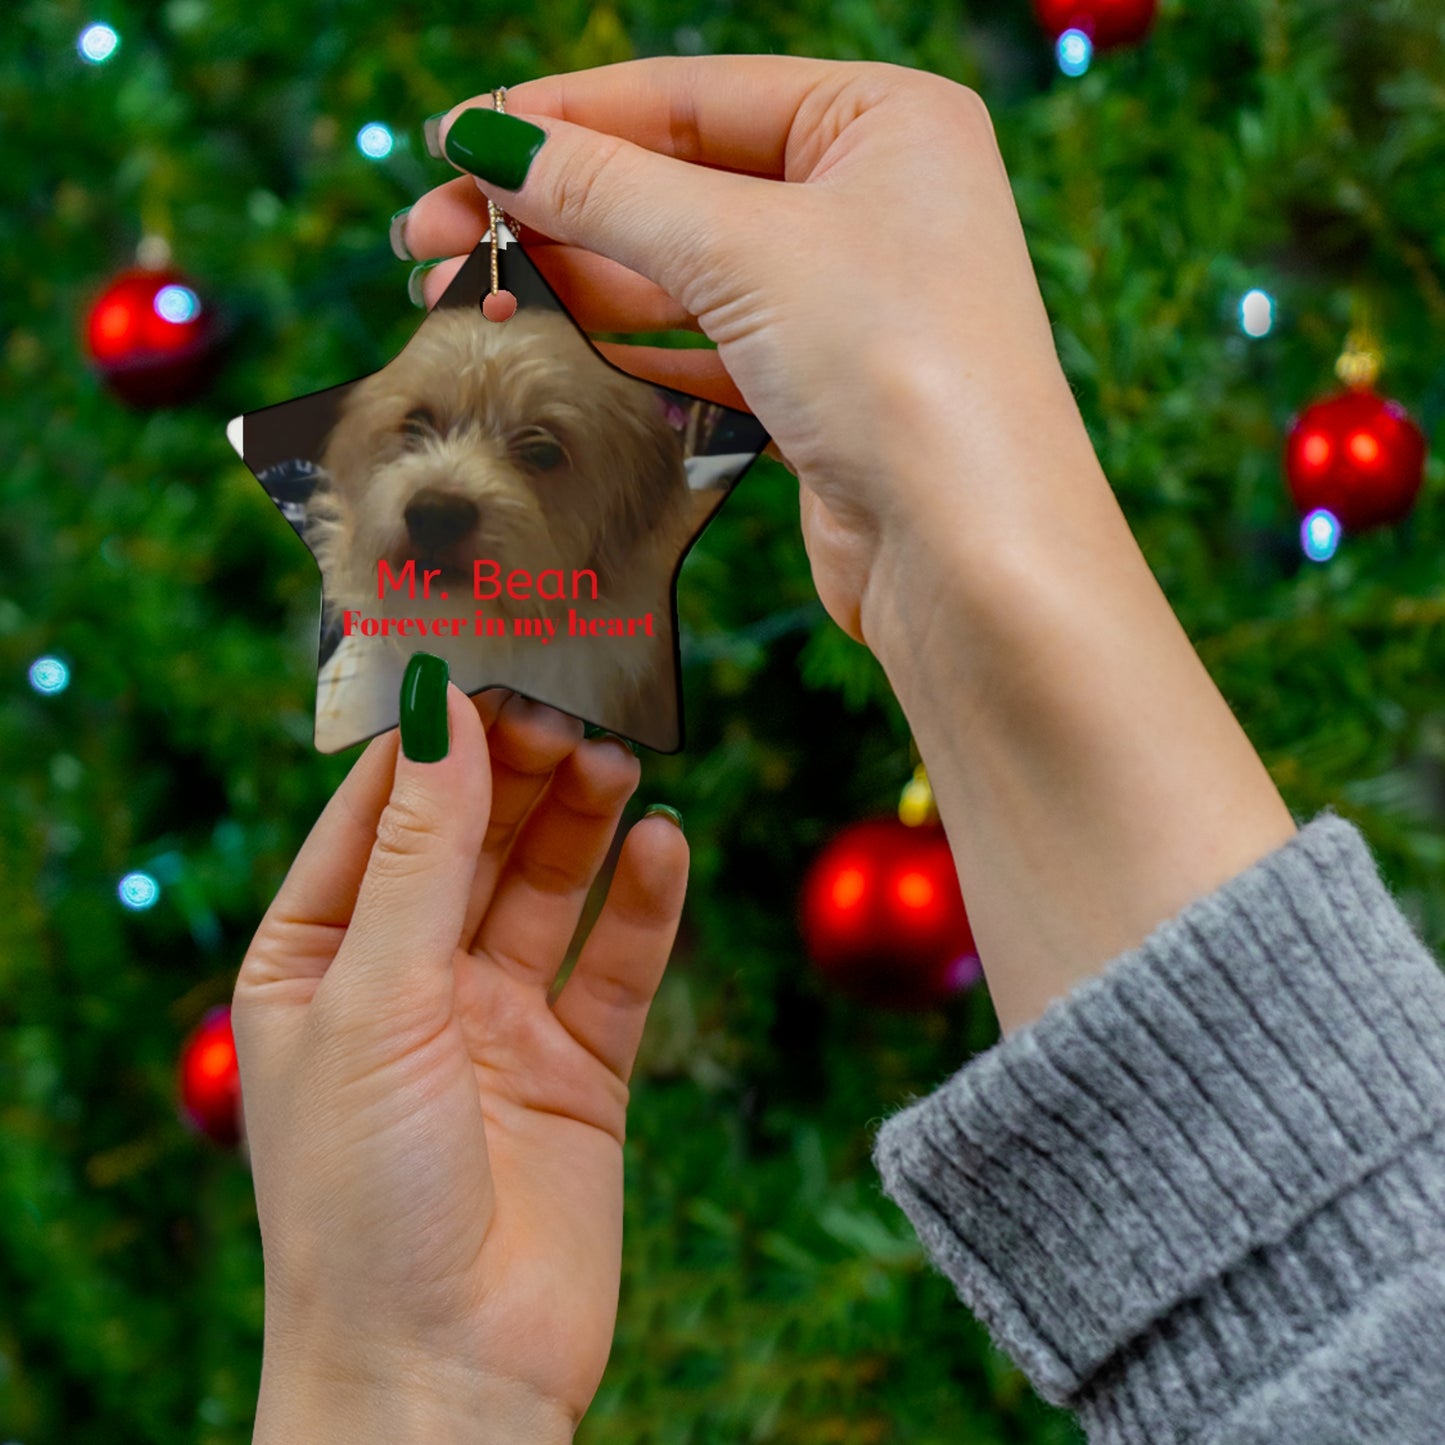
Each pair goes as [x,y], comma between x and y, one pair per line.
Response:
[398,235]
[591,730]
[671,814]
[413,283]
[498,148]
[425,732]
[431,133]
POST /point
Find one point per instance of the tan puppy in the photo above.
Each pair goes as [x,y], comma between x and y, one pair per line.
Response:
[513,442]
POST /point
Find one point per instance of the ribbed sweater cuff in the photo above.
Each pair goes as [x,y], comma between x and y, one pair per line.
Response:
[1177,1137]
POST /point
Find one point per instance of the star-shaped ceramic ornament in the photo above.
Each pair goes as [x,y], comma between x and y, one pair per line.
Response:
[502,496]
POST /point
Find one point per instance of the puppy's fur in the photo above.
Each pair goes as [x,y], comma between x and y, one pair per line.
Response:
[512,441]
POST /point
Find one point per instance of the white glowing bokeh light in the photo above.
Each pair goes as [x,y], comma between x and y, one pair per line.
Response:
[138,891]
[49,675]
[177,304]
[97,43]
[1256,313]
[1075,52]
[375,140]
[1320,535]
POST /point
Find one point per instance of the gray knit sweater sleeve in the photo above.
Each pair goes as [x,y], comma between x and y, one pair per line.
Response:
[1202,1199]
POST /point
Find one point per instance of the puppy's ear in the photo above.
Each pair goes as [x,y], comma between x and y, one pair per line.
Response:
[640,472]
[348,454]
[322,512]
[325,532]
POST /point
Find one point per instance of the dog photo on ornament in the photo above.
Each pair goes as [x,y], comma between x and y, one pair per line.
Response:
[501,495]
[515,446]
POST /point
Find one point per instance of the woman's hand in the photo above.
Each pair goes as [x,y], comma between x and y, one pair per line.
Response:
[880,316]
[847,234]
[437,1149]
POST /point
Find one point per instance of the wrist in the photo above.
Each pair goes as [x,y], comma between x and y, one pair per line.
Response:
[403,1400]
[981,512]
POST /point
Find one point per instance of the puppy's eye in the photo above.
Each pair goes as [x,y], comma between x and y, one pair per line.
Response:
[541,452]
[419,423]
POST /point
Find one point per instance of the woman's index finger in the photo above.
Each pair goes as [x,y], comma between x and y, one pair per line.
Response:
[735,112]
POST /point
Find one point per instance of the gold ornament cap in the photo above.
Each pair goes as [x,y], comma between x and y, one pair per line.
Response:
[915,804]
[1360,362]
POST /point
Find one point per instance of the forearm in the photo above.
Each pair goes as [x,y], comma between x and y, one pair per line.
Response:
[1092,779]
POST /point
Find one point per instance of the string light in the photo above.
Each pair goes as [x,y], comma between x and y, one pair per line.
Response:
[375,141]
[963,972]
[97,44]
[49,675]
[1256,313]
[177,304]
[1320,535]
[1075,52]
[138,891]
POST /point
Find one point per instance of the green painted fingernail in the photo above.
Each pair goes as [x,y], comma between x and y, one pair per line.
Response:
[431,133]
[413,282]
[425,734]
[669,813]
[498,148]
[398,235]
[591,730]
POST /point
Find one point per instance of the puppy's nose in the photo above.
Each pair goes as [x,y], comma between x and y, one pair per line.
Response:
[435,519]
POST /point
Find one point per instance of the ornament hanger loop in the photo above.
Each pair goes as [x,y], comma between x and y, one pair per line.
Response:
[498,305]
[494,211]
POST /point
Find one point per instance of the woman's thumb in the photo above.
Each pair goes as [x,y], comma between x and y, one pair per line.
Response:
[404,932]
[666,219]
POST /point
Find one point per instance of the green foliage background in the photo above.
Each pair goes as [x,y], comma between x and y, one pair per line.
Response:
[770,1293]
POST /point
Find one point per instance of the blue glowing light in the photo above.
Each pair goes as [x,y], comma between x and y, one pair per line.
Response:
[1320,535]
[49,675]
[178,304]
[97,43]
[1075,52]
[1256,313]
[375,140]
[138,891]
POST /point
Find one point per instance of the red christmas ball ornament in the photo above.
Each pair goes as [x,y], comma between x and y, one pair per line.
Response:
[883,917]
[1359,456]
[1107,23]
[152,338]
[210,1081]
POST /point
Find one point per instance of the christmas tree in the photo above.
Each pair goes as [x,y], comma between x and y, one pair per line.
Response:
[1212,212]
